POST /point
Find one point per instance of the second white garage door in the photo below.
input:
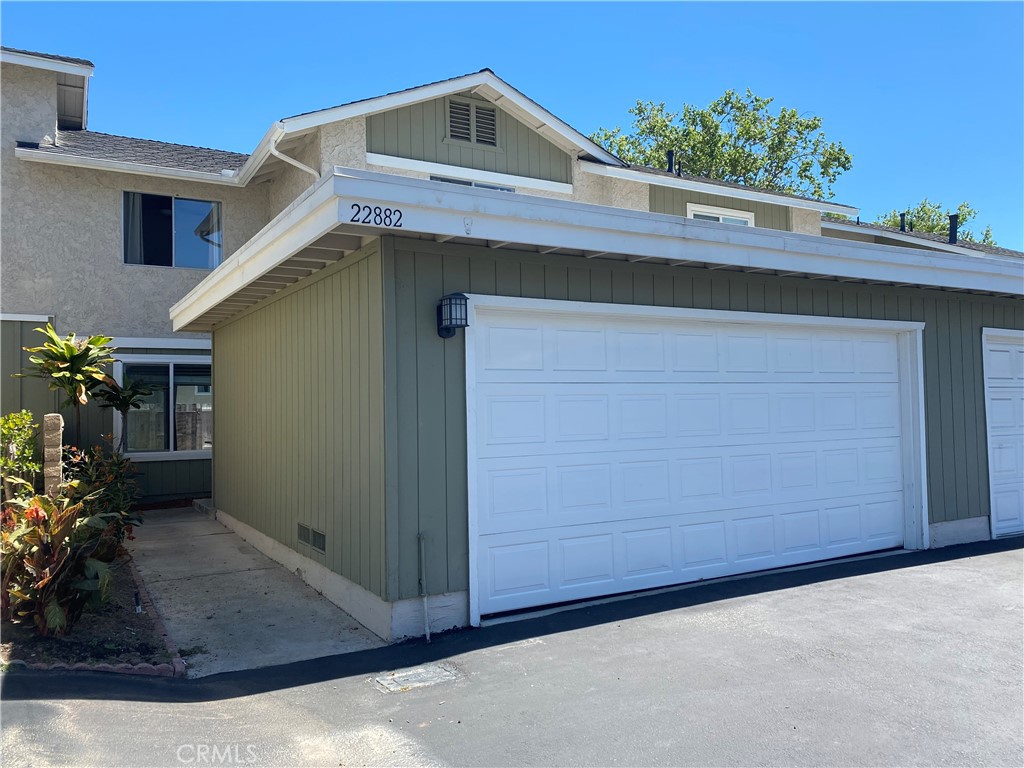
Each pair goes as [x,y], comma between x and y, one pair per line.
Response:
[613,452]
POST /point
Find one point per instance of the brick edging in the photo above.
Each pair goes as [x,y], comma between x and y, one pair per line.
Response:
[176,667]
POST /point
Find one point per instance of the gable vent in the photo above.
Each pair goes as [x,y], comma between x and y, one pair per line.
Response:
[486,126]
[459,125]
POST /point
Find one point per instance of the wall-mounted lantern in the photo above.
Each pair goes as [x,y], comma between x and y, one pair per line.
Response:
[452,313]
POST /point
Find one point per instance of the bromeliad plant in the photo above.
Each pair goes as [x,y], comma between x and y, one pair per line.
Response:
[72,366]
[49,572]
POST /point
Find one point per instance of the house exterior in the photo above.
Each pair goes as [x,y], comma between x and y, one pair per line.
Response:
[662,379]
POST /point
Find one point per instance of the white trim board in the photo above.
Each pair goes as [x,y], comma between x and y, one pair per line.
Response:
[44,62]
[449,210]
[911,362]
[711,210]
[468,174]
[15,317]
[141,342]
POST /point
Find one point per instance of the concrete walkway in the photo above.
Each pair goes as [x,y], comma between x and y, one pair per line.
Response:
[228,606]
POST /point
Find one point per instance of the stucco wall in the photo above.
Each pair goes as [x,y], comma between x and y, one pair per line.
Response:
[29,104]
[290,182]
[806,221]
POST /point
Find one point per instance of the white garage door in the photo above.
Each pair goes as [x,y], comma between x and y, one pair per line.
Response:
[611,453]
[1004,411]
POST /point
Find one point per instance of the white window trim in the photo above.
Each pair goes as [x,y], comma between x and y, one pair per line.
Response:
[143,342]
[173,198]
[467,174]
[142,457]
[15,317]
[710,210]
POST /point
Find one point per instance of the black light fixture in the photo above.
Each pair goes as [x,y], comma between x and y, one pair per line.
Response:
[452,313]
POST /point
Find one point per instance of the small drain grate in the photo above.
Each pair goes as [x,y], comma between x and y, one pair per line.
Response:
[418,677]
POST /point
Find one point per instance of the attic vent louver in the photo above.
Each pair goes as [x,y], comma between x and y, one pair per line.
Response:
[486,126]
[459,122]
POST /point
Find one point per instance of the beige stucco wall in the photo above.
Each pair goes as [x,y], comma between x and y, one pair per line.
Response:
[804,220]
[290,182]
[60,229]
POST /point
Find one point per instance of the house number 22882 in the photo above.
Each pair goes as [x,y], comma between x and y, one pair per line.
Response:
[365,214]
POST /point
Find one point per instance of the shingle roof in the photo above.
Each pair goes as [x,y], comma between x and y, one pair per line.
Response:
[726,184]
[105,146]
[50,56]
[930,236]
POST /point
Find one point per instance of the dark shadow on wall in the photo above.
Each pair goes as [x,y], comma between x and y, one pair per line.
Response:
[41,686]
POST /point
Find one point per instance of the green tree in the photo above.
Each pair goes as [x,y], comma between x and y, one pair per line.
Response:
[927,216]
[735,138]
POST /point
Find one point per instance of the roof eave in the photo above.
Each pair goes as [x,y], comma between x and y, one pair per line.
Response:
[140,169]
[42,62]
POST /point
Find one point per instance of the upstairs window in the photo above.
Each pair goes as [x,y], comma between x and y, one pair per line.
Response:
[478,184]
[472,122]
[721,215]
[162,231]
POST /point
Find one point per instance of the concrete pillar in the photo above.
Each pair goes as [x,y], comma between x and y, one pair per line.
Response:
[53,467]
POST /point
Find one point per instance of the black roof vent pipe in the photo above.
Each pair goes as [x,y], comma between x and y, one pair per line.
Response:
[954,222]
[903,222]
[671,161]
[910,226]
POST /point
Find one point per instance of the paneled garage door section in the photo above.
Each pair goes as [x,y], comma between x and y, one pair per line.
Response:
[622,453]
[1004,410]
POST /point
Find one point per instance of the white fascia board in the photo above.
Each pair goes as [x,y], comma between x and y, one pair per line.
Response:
[135,342]
[139,169]
[445,209]
[501,94]
[469,174]
[41,62]
[905,237]
[450,210]
[306,220]
[260,154]
[678,182]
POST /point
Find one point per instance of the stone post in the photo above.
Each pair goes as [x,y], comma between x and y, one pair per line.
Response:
[53,467]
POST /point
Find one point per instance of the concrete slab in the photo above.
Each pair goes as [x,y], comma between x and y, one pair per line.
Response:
[229,607]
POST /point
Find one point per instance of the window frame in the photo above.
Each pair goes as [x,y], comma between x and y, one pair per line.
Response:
[124,242]
[170,360]
[471,183]
[472,143]
[712,210]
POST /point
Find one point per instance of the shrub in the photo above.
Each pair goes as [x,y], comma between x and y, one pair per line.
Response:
[105,483]
[49,572]
[19,451]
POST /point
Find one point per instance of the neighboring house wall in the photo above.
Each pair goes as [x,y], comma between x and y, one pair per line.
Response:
[418,132]
[673,202]
[299,419]
[29,104]
[426,376]
[18,393]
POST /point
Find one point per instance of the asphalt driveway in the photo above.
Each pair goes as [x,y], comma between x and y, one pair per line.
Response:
[913,659]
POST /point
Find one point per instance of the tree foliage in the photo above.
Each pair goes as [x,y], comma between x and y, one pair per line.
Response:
[735,138]
[927,216]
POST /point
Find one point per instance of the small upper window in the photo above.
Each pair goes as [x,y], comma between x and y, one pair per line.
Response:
[721,215]
[162,231]
[472,122]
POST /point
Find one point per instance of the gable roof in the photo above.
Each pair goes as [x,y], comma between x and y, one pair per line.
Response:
[66,64]
[484,83]
[938,241]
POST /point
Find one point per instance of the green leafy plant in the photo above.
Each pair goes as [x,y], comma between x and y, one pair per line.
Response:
[72,366]
[19,451]
[927,216]
[123,399]
[49,572]
[105,483]
[735,138]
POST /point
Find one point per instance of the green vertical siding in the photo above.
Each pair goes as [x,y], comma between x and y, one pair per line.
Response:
[179,479]
[425,395]
[673,201]
[417,132]
[299,420]
[17,393]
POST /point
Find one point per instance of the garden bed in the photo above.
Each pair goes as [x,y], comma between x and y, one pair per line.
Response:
[110,636]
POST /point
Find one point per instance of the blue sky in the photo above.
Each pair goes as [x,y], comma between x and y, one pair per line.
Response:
[927,97]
